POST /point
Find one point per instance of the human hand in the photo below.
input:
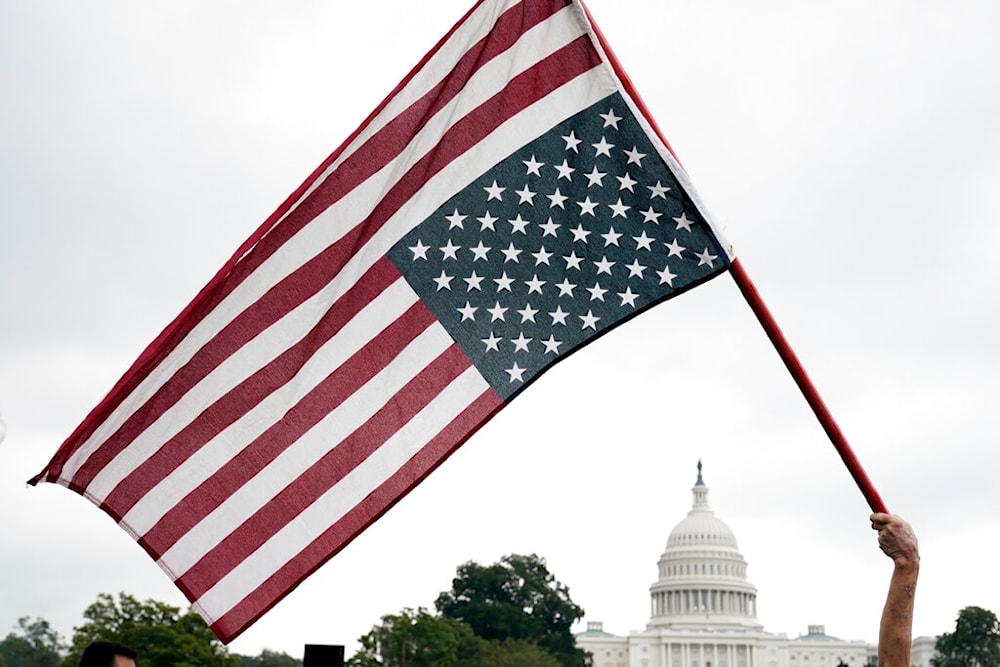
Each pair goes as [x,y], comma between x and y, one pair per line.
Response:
[896,539]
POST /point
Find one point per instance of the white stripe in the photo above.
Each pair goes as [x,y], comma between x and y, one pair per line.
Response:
[479,24]
[313,445]
[345,214]
[377,315]
[335,503]
[348,212]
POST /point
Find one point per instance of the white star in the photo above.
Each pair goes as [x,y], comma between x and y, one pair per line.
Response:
[610,119]
[611,237]
[516,373]
[520,343]
[492,343]
[619,209]
[643,242]
[503,282]
[634,156]
[705,257]
[496,312]
[549,228]
[449,250]
[566,288]
[527,313]
[518,224]
[487,221]
[494,192]
[603,147]
[658,190]
[552,345]
[455,220]
[542,256]
[572,261]
[587,207]
[572,142]
[480,252]
[628,297]
[533,166]
[604,266]
[683,222]
[595,177]
[674,249]
[468,311]
[589,321]
[473,282]
[649,215]
[419,250]
[626,182]
[666,276]
[558,316]
[556,199]
[635,269]
[443,281]
[534,285]
[526,195]
[565,171]
[580,234]
[511,253]
[597,292]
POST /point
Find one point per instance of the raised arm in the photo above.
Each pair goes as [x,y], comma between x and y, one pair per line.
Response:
[897,540]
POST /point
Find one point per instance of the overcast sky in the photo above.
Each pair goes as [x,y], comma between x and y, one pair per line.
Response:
[851,151]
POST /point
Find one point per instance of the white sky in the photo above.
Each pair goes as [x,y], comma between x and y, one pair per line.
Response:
[851,150]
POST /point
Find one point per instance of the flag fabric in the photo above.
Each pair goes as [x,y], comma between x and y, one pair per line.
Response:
[507,204]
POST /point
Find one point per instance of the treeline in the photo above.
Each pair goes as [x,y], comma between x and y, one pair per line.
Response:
[513,613]
[163,635]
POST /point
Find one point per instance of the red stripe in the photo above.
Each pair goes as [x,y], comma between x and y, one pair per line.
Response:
[390,141]
[247,394]
[378,151]
[292,573]
[301,417]
[325,473]
[523,90]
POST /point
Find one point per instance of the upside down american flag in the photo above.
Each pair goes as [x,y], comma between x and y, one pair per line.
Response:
[508,203]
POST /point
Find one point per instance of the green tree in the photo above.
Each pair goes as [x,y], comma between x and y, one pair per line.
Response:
[160,633]
[415,639]
[517,598]
[975,642]
[269,658]
[31,644]
[421,639]
[509,653]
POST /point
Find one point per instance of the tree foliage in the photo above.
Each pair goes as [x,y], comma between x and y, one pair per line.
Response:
[269,658]
[975,642]
[414,639]
[421,639]
[160,633]
[32,644]
[510,653]
[517,598]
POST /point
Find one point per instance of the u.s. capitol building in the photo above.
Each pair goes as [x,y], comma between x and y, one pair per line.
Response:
[703,612]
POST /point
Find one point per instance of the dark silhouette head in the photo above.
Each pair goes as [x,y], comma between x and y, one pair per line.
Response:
[107,654]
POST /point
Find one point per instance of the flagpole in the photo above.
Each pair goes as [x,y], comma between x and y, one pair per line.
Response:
[763,314]
[806,386]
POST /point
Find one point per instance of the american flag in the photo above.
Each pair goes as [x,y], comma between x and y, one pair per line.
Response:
[506,204]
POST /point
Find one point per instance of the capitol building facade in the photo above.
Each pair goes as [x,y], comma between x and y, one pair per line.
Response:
[703,612]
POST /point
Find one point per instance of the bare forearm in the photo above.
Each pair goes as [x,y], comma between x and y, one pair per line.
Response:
[895,632]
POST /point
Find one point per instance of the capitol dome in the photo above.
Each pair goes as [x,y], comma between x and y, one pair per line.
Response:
[702,574]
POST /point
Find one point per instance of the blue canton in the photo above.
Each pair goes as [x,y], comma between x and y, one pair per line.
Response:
[571,235]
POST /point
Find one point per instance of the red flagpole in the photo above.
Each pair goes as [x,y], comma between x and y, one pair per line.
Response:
[764,316]
[812,396]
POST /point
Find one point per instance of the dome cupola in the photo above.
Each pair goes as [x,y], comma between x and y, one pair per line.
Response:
[702,574]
